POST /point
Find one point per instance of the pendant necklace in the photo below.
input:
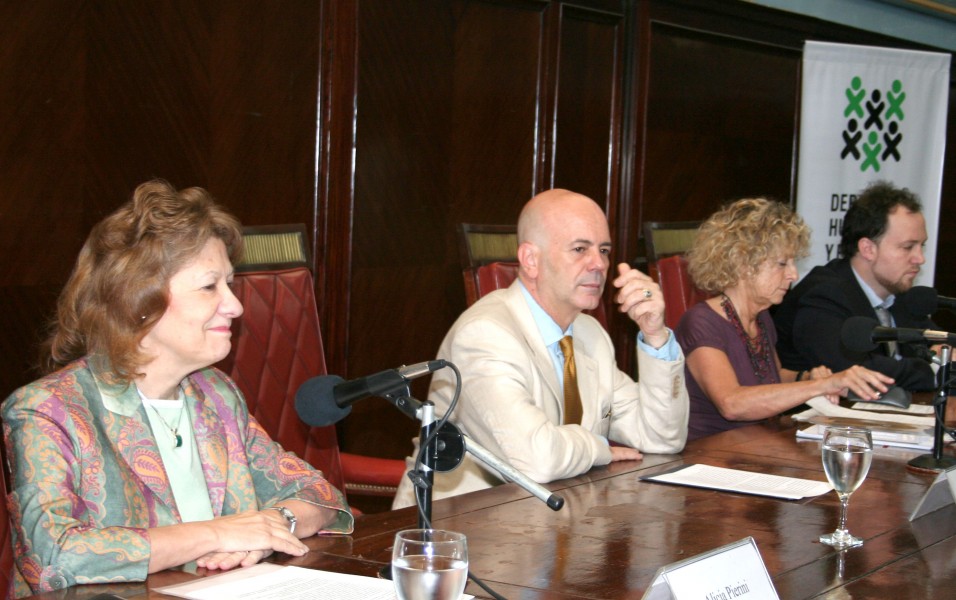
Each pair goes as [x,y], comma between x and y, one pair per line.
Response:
[173,430]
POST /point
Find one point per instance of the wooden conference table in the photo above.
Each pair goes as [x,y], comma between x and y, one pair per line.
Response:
[615,531]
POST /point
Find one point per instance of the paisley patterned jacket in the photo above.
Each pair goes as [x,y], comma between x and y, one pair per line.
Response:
[87,480]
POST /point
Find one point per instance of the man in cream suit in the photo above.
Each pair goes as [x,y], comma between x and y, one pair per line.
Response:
[509,351]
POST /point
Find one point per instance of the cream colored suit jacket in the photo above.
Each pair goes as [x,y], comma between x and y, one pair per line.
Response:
[511,401]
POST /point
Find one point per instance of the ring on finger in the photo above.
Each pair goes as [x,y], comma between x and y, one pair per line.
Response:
[647,293]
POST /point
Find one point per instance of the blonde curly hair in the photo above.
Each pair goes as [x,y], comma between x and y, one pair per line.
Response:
[736,240]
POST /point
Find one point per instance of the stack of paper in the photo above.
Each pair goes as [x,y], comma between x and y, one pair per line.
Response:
[911,421]
[909,430]
[918,441]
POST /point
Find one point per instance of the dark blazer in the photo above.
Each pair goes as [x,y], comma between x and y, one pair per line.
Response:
[810,318]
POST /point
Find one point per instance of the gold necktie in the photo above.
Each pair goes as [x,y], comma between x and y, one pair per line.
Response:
[572,398]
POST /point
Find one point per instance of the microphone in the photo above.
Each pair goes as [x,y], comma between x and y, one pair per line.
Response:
[922,300]
[554,501]
[328,399]
[312,401]
[862,334]
[452,445]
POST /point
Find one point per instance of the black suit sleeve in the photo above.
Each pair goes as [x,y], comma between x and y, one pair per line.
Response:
[817,336]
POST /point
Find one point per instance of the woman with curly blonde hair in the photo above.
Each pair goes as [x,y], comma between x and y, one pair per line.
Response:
[745,256]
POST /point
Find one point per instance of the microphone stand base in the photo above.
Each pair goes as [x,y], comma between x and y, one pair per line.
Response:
[929,463]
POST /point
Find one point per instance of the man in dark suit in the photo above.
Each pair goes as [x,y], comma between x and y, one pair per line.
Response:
[883,236]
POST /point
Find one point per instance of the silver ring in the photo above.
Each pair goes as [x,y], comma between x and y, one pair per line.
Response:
[647,293]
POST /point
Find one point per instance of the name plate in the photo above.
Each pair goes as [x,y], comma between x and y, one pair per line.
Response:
[940,494]
[726,573]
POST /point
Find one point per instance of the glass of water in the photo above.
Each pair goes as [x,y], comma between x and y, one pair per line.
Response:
[847,452]
[429,564]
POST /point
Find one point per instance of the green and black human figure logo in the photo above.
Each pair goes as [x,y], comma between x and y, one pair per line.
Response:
[873,131]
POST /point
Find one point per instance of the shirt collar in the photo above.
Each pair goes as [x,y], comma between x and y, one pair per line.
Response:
[873,297]
[550,331]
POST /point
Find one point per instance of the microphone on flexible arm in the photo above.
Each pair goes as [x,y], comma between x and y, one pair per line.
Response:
[947,303]
[922,301]
[327,399]
[862,334]
[509,473]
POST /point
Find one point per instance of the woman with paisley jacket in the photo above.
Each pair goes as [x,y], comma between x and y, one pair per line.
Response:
[133,455]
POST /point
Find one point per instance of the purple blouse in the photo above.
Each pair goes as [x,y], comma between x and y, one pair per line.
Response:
[702,326]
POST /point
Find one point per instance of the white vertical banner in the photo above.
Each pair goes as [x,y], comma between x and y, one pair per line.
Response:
[869,114]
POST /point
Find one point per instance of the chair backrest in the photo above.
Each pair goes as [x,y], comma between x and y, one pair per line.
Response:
[481,244]
[274,247]
[277,342]
[679,291]
[666,238]
[665,243]
[499,275]
[495,276]
[489,258]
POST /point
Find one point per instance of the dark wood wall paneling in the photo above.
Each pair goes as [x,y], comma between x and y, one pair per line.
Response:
[718,89]
[945,277]
[42,196]
[381,125]
[465,109]
[715,130]
[100,96]
[588,133]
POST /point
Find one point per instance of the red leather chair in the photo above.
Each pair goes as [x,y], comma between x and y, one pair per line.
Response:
[497,275]
[277,346]
[679,291]
[494,276]
[481,245]
[667,238]
[489,258]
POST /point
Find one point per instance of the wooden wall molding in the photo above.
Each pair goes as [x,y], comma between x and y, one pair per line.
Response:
[382,125]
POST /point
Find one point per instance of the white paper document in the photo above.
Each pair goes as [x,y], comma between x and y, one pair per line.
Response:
[267,581]
[746,482]
[821,406]
[916,441]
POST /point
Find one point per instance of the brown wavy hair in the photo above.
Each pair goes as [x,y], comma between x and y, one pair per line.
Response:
[733,243]
[119,287]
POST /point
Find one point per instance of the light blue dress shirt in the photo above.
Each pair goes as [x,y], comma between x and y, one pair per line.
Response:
[551,334]
[874,298]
